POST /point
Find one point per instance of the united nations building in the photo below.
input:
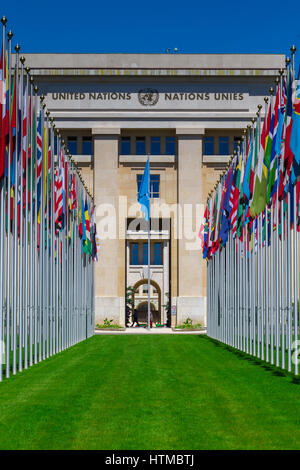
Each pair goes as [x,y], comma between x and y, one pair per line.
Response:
[187,112]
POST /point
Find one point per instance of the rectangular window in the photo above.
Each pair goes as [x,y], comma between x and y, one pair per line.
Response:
[140,146]
[154,184]
[145,253]
[235,142]
[158,254]
[134,258]
[208,146]
[223,145]
[72,145]
[87,146]
[125,146]
[170,146]
[145,288]
[155,145]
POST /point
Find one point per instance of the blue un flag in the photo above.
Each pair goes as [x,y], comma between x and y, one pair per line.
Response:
[144,192]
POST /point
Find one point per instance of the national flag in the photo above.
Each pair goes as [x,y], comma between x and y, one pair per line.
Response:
[263,163]
[234,199]
[87,246]
[295,133]
[144,192]
[271,147]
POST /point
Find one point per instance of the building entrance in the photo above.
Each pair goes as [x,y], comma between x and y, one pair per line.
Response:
[141,301]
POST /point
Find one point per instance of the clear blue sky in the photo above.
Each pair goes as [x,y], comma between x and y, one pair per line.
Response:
[210,26]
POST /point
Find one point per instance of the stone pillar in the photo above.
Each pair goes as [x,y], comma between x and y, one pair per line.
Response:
[108,302]
[166,280]
[191,300]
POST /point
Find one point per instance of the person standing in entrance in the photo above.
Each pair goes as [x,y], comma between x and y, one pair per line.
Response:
[135,319]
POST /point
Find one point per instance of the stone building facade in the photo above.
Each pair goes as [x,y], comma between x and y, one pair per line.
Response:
[186,111]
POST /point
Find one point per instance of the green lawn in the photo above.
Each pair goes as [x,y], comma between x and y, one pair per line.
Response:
[149,392]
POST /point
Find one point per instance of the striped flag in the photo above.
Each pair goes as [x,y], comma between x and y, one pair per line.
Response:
[39,164]
[87,246]
[58,199]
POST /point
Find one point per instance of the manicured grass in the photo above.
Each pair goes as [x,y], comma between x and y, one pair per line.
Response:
[149,392]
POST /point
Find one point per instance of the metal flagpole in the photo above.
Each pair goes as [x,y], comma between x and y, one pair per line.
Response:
[149,222]
[295,257]
[21,258]
[31,267]
[289,285]
[8,252]
[15,222]
[2,221]
[36,284]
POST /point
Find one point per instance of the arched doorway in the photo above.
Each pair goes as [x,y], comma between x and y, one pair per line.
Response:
[141,300]
[142,312]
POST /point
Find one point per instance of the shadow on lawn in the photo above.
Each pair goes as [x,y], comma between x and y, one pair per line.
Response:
[276,371]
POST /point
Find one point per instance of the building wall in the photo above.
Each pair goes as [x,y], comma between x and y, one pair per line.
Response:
[191,97]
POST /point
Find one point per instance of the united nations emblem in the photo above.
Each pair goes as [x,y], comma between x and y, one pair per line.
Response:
[148,97]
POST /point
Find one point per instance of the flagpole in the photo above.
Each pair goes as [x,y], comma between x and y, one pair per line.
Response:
[2,233]
[8,253]
[149,251]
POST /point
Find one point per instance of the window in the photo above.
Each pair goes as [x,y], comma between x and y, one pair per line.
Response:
[209,146]
[87,146]
[72,145]
[134,258]
[145,253]
[154,185]
[235,142]
[145,288]
[125,146]
[158,254]
[55,145]
[155,145]
[223,146]
[140,146]
[170,146]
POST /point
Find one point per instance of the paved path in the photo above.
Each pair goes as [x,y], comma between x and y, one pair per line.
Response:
[153,331]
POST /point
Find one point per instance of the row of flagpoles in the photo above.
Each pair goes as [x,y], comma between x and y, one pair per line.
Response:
[48,239]
[250,234]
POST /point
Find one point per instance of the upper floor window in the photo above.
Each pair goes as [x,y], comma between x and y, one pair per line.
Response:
[134,254]
[170,145]
[87,145]
[236,142]
[209,146]
[154,184]
[140,146]
[72,145]
[125,146]
[145,253]
[223,145]
[155,145]
[157,254]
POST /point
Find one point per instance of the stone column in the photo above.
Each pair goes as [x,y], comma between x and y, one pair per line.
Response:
[191,301]
[108,302]
[166,279]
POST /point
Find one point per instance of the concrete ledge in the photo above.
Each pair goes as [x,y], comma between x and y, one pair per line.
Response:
[216,158]
[110,329]
[143,158]
[190,130]
[82,158]
[189,330]
[106,131]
